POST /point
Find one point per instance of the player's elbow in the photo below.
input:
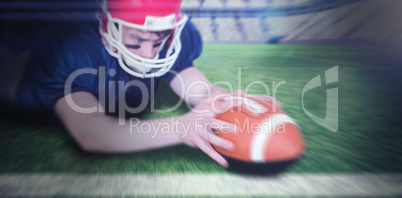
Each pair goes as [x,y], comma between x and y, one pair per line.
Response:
[88,148]
[86,142]
[93,144]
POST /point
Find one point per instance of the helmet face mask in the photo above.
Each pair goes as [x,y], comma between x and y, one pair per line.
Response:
[111,30]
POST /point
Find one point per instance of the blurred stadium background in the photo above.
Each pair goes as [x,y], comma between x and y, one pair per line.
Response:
[338,22]
[345,22]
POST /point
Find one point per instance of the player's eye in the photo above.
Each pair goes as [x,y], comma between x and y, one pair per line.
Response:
[157,44]
[133,46]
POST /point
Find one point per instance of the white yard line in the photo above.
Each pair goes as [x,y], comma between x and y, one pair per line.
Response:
[359,184]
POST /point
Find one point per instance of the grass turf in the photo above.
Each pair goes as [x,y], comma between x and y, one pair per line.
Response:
[368,139]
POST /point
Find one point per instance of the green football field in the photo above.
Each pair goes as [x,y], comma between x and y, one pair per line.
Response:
[368,137]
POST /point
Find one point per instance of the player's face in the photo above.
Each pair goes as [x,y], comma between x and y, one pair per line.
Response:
[143,43]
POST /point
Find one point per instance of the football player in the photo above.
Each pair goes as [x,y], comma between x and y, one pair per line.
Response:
[113,67]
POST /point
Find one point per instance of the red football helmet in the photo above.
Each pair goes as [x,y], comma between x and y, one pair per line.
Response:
[147,15]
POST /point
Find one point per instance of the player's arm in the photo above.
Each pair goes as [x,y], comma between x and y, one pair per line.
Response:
[97,132]
[192,86]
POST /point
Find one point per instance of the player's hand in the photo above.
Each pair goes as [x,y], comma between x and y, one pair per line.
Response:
[199,125]
[268,99]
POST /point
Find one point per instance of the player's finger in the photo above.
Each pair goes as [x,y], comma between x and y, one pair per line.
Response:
[239,93]
[218,141]
[220,97]
[220,103]
[207,149]
[229,102]
[221,126]
[268,99]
